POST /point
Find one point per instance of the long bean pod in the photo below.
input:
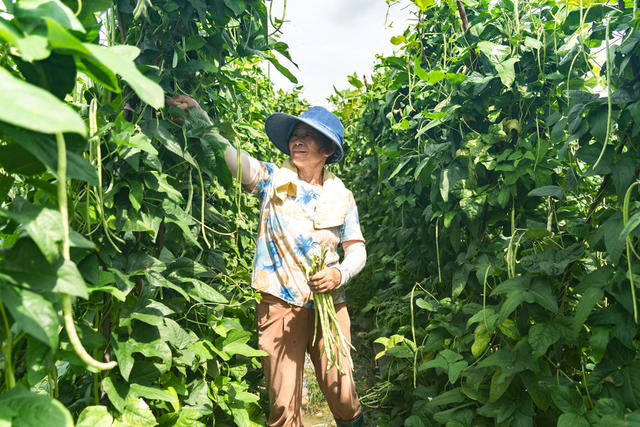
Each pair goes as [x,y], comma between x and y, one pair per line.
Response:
[336,346]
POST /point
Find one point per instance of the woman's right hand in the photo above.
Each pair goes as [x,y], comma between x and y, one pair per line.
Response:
[184,102]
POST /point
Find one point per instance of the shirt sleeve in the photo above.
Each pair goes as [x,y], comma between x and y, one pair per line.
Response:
[262,180]
[350,230]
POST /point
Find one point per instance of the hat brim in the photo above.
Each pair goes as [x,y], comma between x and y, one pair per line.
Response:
[279,127]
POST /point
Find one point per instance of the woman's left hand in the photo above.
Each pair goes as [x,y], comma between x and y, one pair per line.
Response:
[325,280]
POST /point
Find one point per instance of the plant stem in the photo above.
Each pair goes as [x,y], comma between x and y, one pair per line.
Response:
[438,251]
[10,379]
[584,380]
[625,219]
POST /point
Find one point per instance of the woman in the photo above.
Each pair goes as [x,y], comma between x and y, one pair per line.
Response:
[303,208]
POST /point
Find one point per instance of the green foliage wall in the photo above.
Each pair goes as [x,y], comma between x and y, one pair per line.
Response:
[495,170]
[123,238]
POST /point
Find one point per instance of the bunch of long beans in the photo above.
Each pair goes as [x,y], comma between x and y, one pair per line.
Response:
[335,343]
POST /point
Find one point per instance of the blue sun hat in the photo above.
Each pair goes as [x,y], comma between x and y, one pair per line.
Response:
[279,127]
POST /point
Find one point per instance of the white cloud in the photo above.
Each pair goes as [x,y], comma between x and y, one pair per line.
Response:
[330,39]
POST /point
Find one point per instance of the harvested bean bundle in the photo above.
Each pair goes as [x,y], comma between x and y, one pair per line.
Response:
[335,343]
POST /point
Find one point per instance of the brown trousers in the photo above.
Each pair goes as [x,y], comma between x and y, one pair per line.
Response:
[285,331]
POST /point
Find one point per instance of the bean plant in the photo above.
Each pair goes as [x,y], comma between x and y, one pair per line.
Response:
[125,246]
[494,159]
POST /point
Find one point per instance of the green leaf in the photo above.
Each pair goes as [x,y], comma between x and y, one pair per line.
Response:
[158,182]
[455,369]
[24,265]
[204,292]
[32,313]
[152,393]
[136,414]
[413,421]
[472,206]
[147,311]
[623,173]
[567,399]
[499,385]
[282,69]
[543,295]
[44,225]
[194,42]
[16,160]
[44,148]
[599,340]
[242,349]
[70,281]
[186,417]
[634,109]
[63,41]
[608,406]
[532,43]
[511,285]
[633,222]
[174,214]
[173,333]
[612,229]
[426,305]
[434,77]
[448,178]
[494,52]
[598,124]
[40,360]
[31,47]
[438,362]
[514,299]
[538,393]
[506,71]
[35,410]
[116,392]
[552,262]
[142,142]
[56,74]
[52,9]
[158,280]
[36,109]
[95,416]
[573,420]
[632,377]
[237,6]
[354,81]
[125,349]
[424,4]
[547,190]
[120,60]
[6,182]
[590,297]
[459,280]
[541,336]
[162,134]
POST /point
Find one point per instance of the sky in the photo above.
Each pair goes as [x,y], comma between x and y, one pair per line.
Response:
[330,39]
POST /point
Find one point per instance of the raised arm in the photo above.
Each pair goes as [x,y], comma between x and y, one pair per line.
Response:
[250,167]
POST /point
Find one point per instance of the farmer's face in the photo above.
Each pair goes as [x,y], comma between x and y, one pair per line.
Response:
[305,146]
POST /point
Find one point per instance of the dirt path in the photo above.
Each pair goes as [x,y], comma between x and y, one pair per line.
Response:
[315,412]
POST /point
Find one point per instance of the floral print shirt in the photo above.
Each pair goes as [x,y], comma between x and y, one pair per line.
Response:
[287,238]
